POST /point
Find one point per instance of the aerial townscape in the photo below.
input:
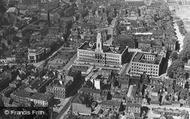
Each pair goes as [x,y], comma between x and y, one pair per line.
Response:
[95,59]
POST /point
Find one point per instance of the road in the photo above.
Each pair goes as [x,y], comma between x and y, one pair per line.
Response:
[124,68]
[66,67]
[41,63]
[65,110]
[168,107]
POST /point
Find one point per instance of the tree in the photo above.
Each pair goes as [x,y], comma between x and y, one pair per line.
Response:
[3,19]
[187,85]
[176,69]
[185,53]
[173,55]
[21,55]
[2,6]
[109,96]
[124,40]
[89,84]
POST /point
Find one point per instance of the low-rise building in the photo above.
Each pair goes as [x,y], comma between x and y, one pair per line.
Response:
[79,106]
[7,91]
[15,83]
[97,95]
[35,55]
[41,99]
[8,60]
[113,104]
[146,62]
[21,96]
[58,87]
[85,69]
[39,85]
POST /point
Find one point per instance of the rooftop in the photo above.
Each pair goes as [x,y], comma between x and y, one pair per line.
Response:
[111,103]
[141,57]
[38,83]
[61,83]
[89,90]
[79,99]
[22,93]
[7,91]
[106,49]
[36,50]
[81,68]
[42,96]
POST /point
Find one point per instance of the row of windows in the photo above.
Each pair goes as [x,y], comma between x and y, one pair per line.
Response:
[148,72]
[92,54]
[86,59]
[87,55]
[92,58]
[144,65]
[98,61]
[56,89]
[81,52]
[144,68]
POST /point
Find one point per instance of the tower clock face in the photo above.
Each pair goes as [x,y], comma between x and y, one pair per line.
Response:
[98,56]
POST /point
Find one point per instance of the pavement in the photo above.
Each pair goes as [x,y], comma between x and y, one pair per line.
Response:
[124,68]
[62,104]
[40,64]
[66,108]
[67,66]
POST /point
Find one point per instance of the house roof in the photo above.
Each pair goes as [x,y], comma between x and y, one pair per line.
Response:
[22,93]
[111,103]
[42,96]
[12,10]
[140,57]
[79,99]
[106,49]
[89,90]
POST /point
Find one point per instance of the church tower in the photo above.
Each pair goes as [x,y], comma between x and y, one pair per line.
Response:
[99,43]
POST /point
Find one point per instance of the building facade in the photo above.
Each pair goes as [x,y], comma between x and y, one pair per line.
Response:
[146,62]
[98,54]
[35,55]
[58,89]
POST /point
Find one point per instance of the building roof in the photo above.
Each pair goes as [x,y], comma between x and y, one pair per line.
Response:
[80,68]
[36,50]
[61,83]
[12,10]
[89,90]
[140,57]
[7,91]
[42,96]
[22,93]
[106,49]
[79,99]
[111,103]
[37,83]
[57,83]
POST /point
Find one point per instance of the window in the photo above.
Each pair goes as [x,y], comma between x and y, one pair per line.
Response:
[32,57]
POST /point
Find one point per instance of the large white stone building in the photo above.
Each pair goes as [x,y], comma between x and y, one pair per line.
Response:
[99,54]
[149,63]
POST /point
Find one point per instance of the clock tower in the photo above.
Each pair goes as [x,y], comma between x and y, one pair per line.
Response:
[99,43]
